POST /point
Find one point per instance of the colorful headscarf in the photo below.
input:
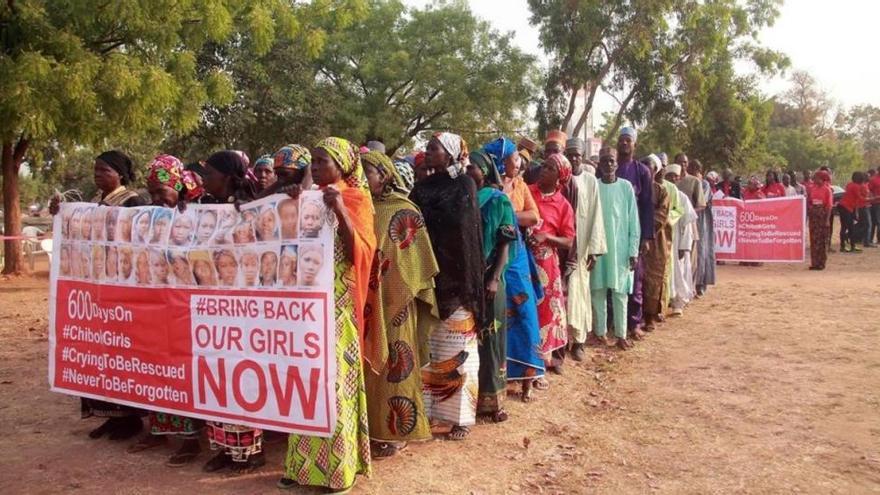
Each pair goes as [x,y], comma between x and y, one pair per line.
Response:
[564,167]
[386,168]
[347,157]
[499,150]
[264,161]
[295,156]
[168,171]
[456,147]
[556,136]
[486,164]
[407,174]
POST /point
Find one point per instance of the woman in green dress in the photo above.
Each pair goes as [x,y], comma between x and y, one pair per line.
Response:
[401,309]
[334,462]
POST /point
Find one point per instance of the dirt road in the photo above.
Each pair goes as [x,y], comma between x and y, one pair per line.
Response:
[767,385]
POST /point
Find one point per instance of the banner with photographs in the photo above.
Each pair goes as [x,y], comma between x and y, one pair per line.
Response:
[212,312]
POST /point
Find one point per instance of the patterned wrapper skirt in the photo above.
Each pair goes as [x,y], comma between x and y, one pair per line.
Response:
[450,381]
[820,234]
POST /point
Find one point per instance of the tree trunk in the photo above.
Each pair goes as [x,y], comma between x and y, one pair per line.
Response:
[618,119]
[11,161]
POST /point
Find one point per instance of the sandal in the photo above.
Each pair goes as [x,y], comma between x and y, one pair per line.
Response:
[253,462]
[146,443]
[185,454]
[218,462]
[624,344]
[458,433]
[541,384]
[500,416]
[106,427]
[384,450]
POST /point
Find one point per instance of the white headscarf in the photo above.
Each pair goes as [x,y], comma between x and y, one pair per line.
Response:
[457,149]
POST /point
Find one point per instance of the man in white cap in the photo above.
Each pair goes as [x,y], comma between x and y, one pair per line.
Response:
[682,244]
[639,177]
[589,244]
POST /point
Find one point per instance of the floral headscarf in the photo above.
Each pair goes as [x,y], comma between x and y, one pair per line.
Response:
[407,174]
[457,148]
[386,168]
[564,167]
[500,150]
[295,156]
[168,171]
[348,158]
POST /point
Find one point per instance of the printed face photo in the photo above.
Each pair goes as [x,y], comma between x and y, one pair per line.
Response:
[267,224]
[268,268]
[74,230]
[180,268]
[99,219]
[244,233]
[161,224]
[226,220]
[112,262]
[227,267]
[85,224]
[311,218]
[203,268]
[99,264]
[141,233]
[142,267]
[287,266]
[123,225]
[75,261]
[310,262]
[112,222]
[158,267]
[250,267]
[85,253]
[288,212]
[181,229]
[207,226]
[64,260]
[126,262]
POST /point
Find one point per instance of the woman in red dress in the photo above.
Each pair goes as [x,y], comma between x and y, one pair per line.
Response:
[554,231]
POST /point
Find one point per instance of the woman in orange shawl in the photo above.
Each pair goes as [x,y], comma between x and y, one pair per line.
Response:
[336,461]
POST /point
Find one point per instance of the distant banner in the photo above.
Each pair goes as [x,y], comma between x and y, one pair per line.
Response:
[210,313]
[765,230]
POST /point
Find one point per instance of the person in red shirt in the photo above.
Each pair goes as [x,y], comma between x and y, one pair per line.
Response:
[855,196]
[753,190]
[773,188]
[820,199]
[874,198]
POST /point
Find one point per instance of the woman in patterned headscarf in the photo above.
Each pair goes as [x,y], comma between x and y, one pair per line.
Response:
[169,184]
[555,232]
[264,172]
[400,305]
[448,200]
[499,234]
[335,462]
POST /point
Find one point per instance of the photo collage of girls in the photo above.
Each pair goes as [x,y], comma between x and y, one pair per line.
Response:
[271,243]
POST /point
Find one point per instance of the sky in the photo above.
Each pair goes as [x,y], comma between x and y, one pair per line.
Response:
[826,38]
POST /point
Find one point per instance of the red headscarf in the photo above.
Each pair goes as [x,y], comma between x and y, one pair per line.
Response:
[564,167]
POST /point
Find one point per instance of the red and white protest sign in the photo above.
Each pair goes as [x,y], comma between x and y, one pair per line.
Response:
[764,230]
[210,313]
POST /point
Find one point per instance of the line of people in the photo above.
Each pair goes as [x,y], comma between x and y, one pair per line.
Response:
[461,277]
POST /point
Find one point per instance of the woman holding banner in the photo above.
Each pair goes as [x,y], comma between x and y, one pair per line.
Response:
[336,461]
[113,172]
[241,447]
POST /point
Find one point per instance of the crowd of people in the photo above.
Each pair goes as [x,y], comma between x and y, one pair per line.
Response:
[462,277]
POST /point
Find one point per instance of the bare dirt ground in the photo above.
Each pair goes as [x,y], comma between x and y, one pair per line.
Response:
[767,385]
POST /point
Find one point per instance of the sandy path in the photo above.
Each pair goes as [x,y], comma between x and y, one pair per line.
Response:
[768,385]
